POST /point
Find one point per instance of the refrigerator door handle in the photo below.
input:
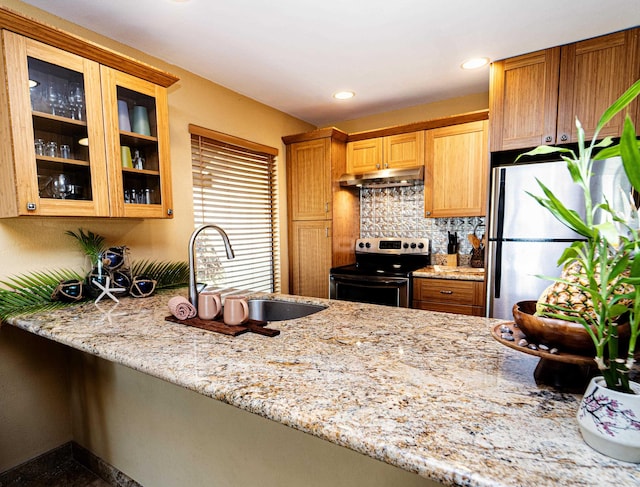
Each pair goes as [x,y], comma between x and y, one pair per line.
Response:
[499,234]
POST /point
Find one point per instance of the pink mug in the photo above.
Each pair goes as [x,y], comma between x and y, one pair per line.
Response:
[236,310]
[209,305]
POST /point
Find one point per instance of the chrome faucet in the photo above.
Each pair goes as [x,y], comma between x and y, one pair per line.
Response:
[193,291]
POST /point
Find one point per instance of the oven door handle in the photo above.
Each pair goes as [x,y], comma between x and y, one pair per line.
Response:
[370,282]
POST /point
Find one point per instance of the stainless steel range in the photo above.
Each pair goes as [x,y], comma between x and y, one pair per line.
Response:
[382,272]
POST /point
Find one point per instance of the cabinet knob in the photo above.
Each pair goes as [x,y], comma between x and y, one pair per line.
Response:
[564,137]
[548,139]
[31,207]
[427,213]
[386,165]
[377,166]
[170,211]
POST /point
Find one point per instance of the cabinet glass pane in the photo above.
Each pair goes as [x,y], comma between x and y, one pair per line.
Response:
[138,136]
[60,131]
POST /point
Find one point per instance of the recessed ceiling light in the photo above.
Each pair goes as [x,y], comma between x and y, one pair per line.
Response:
[475,63]
[84,141]
[344,95]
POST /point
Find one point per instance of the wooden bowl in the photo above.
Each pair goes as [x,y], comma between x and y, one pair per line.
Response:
[566,336]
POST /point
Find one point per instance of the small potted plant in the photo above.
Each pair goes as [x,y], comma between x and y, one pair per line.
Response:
[601,285]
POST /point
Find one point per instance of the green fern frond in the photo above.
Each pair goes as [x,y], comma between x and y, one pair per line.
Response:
[31,293]
[91,243]
[167,274]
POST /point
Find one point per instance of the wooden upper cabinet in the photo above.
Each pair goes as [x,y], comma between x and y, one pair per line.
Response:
[456,170]
[404,150]
[53,152]
[389,152]
[309,167]
[143,190]
[593,74]
[524,100]
[63,140]
[364,155]
[535,98]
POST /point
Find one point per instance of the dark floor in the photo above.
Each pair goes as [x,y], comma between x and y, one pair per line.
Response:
[70,473]
[64,467]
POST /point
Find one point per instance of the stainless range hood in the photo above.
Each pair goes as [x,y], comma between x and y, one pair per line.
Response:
[385,178]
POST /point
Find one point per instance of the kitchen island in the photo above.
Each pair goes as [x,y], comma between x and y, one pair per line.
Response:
[430,393]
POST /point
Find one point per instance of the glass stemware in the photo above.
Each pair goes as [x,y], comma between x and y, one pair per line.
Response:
[61,187]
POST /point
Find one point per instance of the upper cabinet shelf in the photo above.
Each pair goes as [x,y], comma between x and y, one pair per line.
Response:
[70,152]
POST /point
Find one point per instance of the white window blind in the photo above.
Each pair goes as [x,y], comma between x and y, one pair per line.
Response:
[234,187]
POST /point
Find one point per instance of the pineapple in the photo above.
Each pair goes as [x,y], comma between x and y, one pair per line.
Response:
[574,301]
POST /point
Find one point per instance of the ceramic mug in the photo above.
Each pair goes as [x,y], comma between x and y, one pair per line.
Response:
[125,155]
[209,305]
[236,310]
[140,123]
[123,116]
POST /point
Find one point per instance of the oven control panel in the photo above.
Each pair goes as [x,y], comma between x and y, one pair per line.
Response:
[392,245]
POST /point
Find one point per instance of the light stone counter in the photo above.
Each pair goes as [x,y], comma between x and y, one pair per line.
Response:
[428,392]
[461,273]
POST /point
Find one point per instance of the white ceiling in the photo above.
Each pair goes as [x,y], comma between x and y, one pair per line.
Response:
[294,54]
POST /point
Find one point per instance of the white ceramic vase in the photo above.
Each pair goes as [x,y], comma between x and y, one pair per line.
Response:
[610,420]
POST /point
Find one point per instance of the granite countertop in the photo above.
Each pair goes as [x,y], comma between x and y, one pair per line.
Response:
[431,393]
[461,273]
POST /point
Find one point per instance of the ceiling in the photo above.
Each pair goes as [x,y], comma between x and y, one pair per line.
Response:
[294,54]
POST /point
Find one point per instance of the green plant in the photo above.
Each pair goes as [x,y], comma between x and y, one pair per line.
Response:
[609,256]
[91,243]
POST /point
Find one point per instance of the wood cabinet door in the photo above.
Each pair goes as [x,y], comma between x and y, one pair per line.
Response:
[364,155]
[456,170]
[144,191]
[69,177]
[524,100]
[309,180]
[404,150]
[310,247]
[593,74]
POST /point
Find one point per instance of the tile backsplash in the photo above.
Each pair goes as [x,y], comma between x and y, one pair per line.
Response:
[399,212]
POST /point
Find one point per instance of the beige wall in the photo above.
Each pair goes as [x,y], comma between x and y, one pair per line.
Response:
[419,113]
[163,435]
[35,407]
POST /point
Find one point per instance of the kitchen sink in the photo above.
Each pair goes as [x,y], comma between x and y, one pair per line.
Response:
[271,310]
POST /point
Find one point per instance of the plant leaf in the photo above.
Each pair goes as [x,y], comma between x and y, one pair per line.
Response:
[624,100]
[630,153]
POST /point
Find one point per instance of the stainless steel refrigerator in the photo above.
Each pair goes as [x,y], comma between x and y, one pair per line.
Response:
[525,240]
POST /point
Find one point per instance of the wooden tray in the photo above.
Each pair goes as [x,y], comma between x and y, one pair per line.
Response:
[253,326]
[568,358]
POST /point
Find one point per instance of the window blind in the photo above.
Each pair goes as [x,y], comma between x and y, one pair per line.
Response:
[234,187]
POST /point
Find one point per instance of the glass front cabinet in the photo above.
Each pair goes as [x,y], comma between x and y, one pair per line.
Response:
[80,138]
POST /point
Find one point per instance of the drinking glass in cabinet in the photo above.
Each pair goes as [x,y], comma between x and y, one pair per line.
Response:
[65,151]
[60,187]
[76,101]
[39,147]
[51,150]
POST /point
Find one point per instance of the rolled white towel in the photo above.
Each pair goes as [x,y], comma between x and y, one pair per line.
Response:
[181,308]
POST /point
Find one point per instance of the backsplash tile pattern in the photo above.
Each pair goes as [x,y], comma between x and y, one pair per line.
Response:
[399,212]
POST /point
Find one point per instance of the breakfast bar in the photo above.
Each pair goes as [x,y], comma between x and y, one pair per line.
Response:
[430,393]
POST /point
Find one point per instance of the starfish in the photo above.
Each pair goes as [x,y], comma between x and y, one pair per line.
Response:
[106,290]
